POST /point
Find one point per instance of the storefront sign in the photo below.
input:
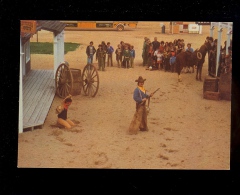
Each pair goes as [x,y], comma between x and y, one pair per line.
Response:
[28,26]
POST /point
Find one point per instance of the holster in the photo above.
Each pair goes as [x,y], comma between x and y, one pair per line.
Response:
[140,104]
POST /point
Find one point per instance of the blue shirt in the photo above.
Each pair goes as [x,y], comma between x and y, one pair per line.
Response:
[191,49]
[110,50]
[172,59]
[138,95]
[132,53]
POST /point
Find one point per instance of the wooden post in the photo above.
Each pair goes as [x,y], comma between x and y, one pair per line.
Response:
[55,52]
[20,118]
[229,32]
[211,30]
[218,47]
[62,46]
[200,29]
[221,25]
[59,52]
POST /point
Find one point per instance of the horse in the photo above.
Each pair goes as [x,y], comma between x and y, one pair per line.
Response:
[201,58]
[185,59]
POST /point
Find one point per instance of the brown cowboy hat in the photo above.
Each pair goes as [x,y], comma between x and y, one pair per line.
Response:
[59,109]
[140,79]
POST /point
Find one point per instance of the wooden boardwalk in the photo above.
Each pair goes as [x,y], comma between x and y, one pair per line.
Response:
[38,94]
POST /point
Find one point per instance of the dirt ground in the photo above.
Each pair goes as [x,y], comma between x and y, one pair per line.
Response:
[185,130]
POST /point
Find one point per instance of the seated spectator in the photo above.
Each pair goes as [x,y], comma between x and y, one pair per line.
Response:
[189,48]
[172,62]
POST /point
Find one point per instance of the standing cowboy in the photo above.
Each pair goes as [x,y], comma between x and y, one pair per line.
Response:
[139,121]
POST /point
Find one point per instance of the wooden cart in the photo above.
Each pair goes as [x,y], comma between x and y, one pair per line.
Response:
[71,81]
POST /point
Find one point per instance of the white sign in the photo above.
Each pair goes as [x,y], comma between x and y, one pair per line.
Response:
[193,28]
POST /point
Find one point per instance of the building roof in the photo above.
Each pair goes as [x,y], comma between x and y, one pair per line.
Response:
[54,26]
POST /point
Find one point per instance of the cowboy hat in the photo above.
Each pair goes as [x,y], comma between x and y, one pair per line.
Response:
[59,109]
[140,79]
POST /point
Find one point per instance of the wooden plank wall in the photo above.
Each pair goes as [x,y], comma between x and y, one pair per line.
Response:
[38,94]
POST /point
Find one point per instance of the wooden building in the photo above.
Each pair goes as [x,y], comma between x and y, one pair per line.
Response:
[37,87]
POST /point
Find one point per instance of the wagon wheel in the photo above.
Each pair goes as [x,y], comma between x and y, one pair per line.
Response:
[63,80]
[90,80]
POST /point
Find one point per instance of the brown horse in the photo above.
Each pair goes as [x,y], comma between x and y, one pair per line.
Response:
[201,58]
[185,59]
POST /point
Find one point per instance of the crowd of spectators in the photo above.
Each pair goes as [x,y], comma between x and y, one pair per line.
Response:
[160,55]
[125,55]
[156,55]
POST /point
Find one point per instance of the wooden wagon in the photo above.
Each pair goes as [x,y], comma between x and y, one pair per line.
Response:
[71,81]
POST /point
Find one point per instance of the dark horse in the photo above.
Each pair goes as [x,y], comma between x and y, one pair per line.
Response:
[201,53]
[186,59]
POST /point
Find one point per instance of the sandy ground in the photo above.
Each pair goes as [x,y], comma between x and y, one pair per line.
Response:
[185,130]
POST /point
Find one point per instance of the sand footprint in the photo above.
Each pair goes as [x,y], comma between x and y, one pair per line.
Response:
[73,130]
[172,165]
[162,157]
[57,133]
[101,159]
[171,150]
[169,129]
[163,145]
[154,121]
